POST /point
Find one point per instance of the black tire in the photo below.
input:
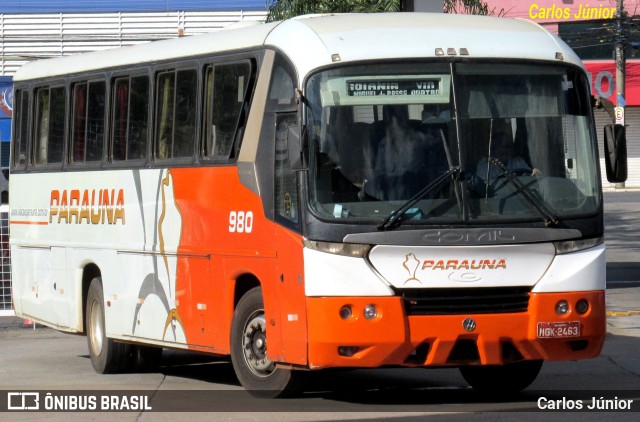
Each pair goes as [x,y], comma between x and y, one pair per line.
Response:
[149,358]
[256,373]
[107,355]
[501,379]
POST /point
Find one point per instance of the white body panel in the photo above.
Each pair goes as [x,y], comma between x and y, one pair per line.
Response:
[579,271]
[533,265]
[128,250]
[406,35]
[479,266]
[335,275]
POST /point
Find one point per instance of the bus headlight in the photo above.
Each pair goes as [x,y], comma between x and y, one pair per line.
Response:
[370,312]
[569,246]
[355,250]
[562,307]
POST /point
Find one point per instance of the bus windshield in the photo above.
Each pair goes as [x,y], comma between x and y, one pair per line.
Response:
[457,142]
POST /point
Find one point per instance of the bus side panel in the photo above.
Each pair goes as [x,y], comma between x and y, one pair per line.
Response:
[222,218]
[106,261]
[265,271]
[18,288]
[170,245]
[48,286]
[39,285]
[148,296]
[222,223]
[149,291]
[293,311]
[193,274]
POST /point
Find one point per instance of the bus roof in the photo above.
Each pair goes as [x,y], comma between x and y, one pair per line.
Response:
[318,40]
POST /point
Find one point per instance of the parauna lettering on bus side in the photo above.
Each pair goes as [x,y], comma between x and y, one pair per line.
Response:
[89,206]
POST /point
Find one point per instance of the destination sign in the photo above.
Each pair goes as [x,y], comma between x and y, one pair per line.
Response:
[389,87]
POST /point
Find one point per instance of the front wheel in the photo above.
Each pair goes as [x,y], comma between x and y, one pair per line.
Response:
[255,371]
[509,378]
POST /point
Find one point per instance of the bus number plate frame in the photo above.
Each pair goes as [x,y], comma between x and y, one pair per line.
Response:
[563,329]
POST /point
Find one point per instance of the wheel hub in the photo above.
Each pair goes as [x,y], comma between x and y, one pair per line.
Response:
[254,344]
[95,331]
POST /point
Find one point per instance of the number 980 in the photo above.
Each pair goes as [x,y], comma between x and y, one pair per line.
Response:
[240,222]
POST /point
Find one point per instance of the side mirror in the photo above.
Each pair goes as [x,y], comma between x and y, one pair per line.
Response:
[296,146]
[615,153]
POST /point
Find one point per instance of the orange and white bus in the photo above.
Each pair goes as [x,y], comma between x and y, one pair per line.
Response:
[327,191]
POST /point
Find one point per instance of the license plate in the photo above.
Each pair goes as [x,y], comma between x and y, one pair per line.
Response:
[558,329]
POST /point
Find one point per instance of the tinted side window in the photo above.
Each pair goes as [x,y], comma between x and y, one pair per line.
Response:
[88,121]
[176,108]
[21,129]
[286,189]
[49,125]
[226,108]
[130,118]
[281,98]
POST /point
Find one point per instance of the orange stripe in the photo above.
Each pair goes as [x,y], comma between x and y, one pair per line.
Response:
[36,223]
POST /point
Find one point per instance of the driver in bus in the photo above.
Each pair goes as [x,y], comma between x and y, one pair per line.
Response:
[501,148]
[401,156]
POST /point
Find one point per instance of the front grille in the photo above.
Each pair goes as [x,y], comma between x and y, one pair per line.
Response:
[483,300]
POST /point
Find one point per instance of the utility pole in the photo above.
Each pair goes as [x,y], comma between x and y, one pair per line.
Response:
[620,65]
[620,54]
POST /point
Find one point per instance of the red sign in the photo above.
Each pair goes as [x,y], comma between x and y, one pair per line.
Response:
[602,74]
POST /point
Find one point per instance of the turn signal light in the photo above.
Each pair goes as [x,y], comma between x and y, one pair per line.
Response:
[582,306]
[345,312]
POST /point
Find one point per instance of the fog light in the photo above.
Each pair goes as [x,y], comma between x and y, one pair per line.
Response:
[562,307]
[345,312]
[370,312]
[347,351]
[582,306]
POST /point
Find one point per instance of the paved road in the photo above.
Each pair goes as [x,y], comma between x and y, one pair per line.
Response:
[50,361]
[622,223]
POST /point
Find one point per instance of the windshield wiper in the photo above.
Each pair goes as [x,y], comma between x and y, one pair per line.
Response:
[395,217]
[548,216]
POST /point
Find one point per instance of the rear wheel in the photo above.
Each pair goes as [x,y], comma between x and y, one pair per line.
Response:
[509,378]
[149,358]
[107,356]
[255,371]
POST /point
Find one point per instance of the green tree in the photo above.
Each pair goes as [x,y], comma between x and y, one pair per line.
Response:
[470,7]
[284,9]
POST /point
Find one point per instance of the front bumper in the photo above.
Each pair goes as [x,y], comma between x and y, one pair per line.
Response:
[393,338]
